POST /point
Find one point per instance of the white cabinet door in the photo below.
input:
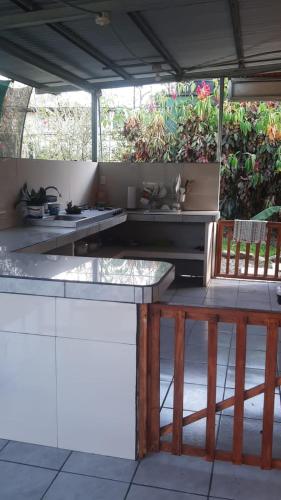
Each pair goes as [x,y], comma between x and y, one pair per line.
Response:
[28,388]
[97,397]
[27,313]
[96,320]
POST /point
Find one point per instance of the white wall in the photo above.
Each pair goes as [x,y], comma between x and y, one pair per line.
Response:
[76,180]
[204,194]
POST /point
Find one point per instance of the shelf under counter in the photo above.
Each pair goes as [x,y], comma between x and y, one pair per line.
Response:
[149,252]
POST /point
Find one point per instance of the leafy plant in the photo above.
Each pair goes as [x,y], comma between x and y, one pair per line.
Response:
[268,213]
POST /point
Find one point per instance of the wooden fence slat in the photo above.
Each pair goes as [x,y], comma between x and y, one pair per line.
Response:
[247,259]
[241,339]
[229,238]
[237,258]
[212,389]
[143,374]
[221,405]
[267,251]
[178,383]
[257,259]
[278,248]
[269,394]
[154,370]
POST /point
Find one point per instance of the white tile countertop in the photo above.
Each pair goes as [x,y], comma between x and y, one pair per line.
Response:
[25,238]
[118,280]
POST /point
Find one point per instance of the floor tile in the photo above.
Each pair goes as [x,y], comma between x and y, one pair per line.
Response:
[196,373]
[198,353]
[226,327]
[32,454]
[187,300]
[253,377]
[166,369]
[254,342]
[242,482]
[252,436]
[101,466]
[22,482]
[256,329]
[201,337]
[195,397]
[164,388]
[145,492]
[3,442]
[193,434]
[188,474]
[220,301]
[167,343]
[254,407]
[74,487]
[254,358]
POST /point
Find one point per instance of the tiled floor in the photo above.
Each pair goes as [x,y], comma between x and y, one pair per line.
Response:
[30,472]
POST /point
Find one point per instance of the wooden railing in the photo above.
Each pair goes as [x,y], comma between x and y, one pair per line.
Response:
[151,433]
[231,262]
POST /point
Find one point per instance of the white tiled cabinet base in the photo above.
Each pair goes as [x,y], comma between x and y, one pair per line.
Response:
[68,373]
[96,376]
[28,388]
[96,397]
[27,313]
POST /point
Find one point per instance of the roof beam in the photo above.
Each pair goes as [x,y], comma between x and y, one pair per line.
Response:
[43,64]
[80,10]
[151,36]
[14,77]
[39,17]
[71,36]
[237,32]
[74,38]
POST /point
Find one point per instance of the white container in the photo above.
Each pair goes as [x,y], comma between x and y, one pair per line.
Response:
[132,197]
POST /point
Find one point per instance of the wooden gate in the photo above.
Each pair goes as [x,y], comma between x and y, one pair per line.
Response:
[248,261]
[150,432]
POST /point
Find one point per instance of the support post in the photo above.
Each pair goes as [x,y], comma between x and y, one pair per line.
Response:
[220,121]
[94,120]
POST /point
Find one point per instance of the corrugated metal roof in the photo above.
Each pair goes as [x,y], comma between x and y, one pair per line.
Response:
[57,45]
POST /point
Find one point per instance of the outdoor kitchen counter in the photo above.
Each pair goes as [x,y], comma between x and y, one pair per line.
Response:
[118,280]
[40,239]
[69,335]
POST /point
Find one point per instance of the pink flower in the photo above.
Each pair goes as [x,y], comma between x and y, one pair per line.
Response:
[203,91]
[173,94]
[256,166]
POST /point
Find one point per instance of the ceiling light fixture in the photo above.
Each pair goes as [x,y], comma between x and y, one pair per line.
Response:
[103,19]
[157,67]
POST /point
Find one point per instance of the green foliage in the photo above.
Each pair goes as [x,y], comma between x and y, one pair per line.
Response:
[268,213]
[181,126]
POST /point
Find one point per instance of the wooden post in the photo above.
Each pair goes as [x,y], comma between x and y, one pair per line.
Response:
[269,393]
[178,382]
[143,380]
[212,389]
[241,339]
[154,386]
